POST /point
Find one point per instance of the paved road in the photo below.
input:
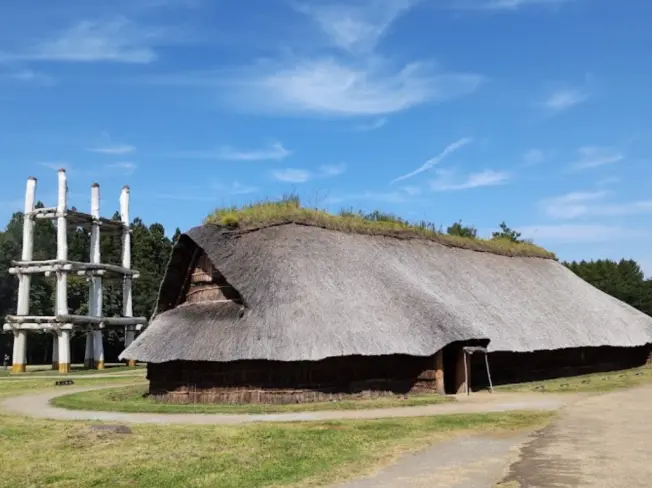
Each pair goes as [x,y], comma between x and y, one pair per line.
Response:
[37,405]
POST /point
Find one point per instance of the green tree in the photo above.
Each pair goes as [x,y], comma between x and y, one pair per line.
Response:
[457,229]
[507,233]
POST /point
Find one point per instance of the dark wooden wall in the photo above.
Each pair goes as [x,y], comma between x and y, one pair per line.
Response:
[510,367]
[367,376]
[290,382]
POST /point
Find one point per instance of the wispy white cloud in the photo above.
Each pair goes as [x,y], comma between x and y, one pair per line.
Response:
[185,197]
[565,98]
[596,156]
[356,27]
[274,152]
[114,149]
[497,5]
[114,40]
[577,233]
[296,175]
[488,177]
[30,76]
[591,204]
[335,87]
[212,193]
[533,157]
[376,124]
[362,82]
[608,181]
[412,190]
[292,175]
[235,188]
[122,167]
[387,197]
[451,148]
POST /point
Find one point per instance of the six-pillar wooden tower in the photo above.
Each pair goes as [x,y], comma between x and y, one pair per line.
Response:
[63,323]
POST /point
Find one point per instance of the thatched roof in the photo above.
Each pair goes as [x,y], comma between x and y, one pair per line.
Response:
[312,293]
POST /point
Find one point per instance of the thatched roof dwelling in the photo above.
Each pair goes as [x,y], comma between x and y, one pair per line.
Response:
[292,292]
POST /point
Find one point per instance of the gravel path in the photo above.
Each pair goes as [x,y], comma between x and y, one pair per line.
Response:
[600,442]
[477,461]
[37,405]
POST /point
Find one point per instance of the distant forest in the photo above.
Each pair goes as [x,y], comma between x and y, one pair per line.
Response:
[150,252]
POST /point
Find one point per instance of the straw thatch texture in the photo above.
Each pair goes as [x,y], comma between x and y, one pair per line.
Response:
[311,293]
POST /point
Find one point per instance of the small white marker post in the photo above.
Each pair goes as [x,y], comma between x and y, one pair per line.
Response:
[127,300]
[96,287]
[62,275]
[24,280]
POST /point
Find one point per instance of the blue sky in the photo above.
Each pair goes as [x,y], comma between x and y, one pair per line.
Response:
[535,112]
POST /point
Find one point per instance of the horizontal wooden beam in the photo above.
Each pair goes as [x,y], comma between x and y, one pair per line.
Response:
[53,265]
[79,219]
[34,326]
[75,320]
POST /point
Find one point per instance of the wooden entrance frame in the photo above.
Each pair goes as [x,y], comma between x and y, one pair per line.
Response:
[464,357]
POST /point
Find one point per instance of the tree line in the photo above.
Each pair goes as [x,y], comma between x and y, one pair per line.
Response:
[151,249]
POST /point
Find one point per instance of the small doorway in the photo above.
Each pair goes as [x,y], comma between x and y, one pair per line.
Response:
[451,351]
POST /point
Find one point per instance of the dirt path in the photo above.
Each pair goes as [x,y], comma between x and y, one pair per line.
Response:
[37,405]
[477,461]
[600,442]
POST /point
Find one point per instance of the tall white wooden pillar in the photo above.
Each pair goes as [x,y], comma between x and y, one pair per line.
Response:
[127,300]
[96,286]
[62,276]
[19,356]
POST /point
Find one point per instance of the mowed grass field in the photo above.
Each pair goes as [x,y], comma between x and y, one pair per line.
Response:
[134,399]
[77,369]
[589,383]
[40,453]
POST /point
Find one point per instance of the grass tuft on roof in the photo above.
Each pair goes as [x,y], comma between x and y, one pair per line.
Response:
[289,210]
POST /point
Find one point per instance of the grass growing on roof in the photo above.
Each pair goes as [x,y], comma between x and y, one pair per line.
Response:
[289,209]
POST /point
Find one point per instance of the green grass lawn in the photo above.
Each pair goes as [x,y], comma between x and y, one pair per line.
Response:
[77,369]
[132,399]
[597,382]
[25,384]
[54,454]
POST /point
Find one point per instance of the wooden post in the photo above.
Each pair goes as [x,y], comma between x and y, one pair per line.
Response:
[127,301]
[96,287]
[62,275]
[19,356]
[462,370]
[439,372]
[55,352]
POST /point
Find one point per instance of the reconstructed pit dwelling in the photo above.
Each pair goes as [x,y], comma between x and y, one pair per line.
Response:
[295,312]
